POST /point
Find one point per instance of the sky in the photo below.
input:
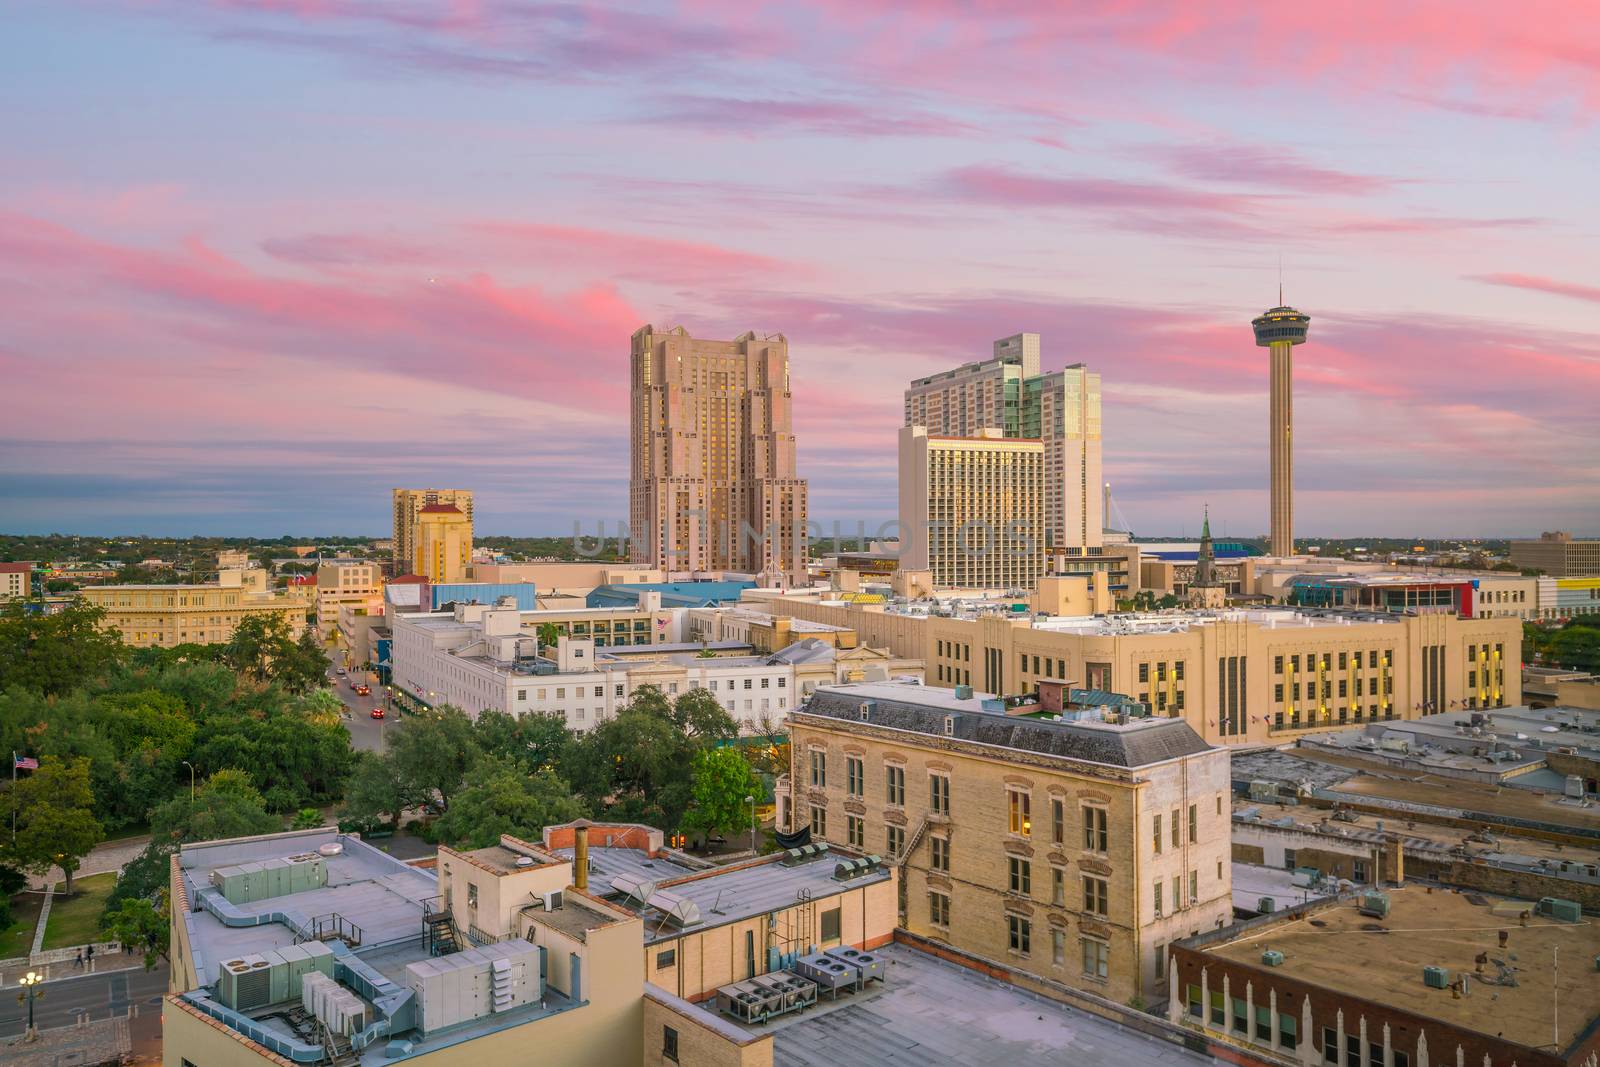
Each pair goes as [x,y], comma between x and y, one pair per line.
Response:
[263,260]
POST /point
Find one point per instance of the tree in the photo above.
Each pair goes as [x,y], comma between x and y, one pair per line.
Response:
[306,819]
[722,781]
[54,810]
[499,799]
[549,634]
[433,752]
[262,650]
[536,741]
[55,654]
[375,791]
[226,805]
[699,714]
[636,767]
[142,924]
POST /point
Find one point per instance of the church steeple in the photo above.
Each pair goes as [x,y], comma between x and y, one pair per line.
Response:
[1206,558]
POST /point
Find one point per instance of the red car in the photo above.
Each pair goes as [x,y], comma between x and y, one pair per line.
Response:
[363,690]
[377,713]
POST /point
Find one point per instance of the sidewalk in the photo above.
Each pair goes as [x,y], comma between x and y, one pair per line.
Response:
[106,856]
[57,964]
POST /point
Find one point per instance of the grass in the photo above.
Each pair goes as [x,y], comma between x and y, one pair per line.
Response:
[17,939]
[75,920]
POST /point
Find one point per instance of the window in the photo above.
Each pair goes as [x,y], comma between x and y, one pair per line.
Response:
[747,683]
[1194,888]
[894,779]
[1018,804]
[1094,829]
[1158,898]
[1177,831]
[1021,876]
[894,841]
[856,831]
[472,894]
[1094,895]
[938,909]
[1155,831]
[1144,672]
[830,924]
[1194,823]
[855,776]
[819,769]
[1330,1045]
[940,847]
[1096,958]
[669,1044]
[939,789]
[819,821]
[666,958]
[1020,933]
[764,682]
[1058,821]
[1058,947]
[1058,887]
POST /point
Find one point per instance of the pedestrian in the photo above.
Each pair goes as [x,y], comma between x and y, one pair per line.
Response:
[89,957]
[78,962]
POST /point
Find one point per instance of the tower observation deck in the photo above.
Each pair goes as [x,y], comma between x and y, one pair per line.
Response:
[1278,330]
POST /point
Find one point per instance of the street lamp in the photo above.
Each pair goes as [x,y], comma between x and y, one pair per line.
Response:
[30,993]
[189,765]
[752,802]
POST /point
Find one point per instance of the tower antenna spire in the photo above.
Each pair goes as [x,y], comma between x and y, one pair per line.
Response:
[1280,279]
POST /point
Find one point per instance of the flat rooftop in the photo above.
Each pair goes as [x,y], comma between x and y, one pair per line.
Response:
[375,891]
[929,1013]
[935,712]
[1167,622]
[723,894]
[1381,960]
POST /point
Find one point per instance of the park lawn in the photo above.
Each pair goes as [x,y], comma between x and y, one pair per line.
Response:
[16,940]
[75,920]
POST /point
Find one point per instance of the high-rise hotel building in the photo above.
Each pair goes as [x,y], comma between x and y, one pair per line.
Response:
[713,485]
[1061,410]
[972,508]
[408,506]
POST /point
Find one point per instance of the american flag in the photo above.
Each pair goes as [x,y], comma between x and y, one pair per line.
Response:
[24,763]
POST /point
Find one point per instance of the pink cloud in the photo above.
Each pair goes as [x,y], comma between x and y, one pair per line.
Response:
[717,114]
[1245,164]
[625,255]
[1543,285]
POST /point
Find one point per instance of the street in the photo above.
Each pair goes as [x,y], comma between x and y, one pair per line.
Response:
[100,996]
[366,733]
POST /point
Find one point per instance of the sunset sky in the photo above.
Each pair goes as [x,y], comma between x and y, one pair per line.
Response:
[263,260]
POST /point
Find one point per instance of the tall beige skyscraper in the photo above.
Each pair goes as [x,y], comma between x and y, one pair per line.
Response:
[1278,330]
[444,544]
[972,508]
[408,505]
[1061,409]
[713,473]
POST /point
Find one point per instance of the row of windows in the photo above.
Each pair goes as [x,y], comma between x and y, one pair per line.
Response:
[1345,660]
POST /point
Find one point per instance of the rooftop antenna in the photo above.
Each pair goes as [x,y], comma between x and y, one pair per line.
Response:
[1280,279]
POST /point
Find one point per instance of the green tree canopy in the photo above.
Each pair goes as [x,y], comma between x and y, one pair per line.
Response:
[499,798]
[55,654]
[54,812]
[142,924]
[722,782]
[432,753]
[536,741]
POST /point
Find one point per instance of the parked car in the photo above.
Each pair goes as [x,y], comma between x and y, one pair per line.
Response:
[363,690]
[339,671]
[377,713]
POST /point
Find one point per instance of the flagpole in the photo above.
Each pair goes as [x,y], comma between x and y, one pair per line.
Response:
[13,798]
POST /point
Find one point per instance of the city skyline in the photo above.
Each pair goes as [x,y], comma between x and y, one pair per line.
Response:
[226,296]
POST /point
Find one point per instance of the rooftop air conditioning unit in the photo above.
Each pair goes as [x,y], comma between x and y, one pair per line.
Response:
[1272,958]
[552,900]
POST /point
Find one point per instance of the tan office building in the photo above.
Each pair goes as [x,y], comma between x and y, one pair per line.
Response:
[1237,675]
[972,509]
[164,616]
[1075,851]
[15,581]
[443,544]
[408,505]
[1559,555]
[1061,409]
[713,480]
[346,582]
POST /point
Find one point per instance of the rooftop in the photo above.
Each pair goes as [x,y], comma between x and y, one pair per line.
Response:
[937,713]
[929,1013]
[1381,960]
[723,894]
